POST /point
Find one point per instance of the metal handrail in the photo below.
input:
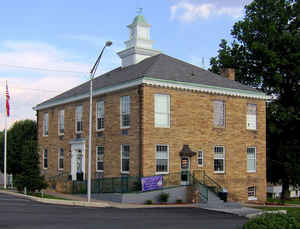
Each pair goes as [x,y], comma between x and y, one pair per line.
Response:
[219,188]
[203,194]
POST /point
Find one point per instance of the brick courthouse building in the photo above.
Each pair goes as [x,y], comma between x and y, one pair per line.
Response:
[159,115]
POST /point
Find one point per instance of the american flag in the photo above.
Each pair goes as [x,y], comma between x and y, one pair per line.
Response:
[7,101]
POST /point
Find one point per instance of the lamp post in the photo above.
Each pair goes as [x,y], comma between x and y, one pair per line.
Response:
[92,74]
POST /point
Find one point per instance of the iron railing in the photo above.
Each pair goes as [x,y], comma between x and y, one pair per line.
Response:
[125,184]
[207,182]
[212,184]
[108,185]
[201,190]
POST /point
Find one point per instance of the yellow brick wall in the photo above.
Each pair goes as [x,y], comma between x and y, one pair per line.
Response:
[192,124]
[111,139]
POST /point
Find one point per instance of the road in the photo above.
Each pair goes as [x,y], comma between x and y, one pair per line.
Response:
[22,213]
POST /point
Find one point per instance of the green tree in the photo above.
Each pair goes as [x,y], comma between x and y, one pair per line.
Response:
[22,155]
[266,55]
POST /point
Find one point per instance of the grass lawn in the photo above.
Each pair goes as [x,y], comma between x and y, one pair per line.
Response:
[295,212]
[48,196]
[286,201]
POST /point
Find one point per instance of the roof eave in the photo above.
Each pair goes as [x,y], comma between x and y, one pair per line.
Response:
[162,83]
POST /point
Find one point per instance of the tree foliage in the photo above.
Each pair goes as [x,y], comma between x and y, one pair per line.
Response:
[266,55]
[22,155]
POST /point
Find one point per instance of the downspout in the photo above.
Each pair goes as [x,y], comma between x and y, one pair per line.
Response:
[141,133]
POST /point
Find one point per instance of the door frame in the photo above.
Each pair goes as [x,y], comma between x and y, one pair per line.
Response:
[77,149]
[187,170]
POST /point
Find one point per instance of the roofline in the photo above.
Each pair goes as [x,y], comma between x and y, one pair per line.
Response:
[162,83]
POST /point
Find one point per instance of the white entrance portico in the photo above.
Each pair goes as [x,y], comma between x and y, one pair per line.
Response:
[77,158]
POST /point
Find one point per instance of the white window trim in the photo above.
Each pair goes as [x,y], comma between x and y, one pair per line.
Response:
[44,159]
[169,113]
[46,114]
[247,127]
[201,158]
[220,172]
[224,103]
[100,101]
[121,117]
[124,172]
[252,171]
[60,169]
[162,173]
[99,170]
[252,197]
[59,112]
[78,132]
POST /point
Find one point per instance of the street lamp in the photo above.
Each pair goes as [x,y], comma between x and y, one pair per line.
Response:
[92,74]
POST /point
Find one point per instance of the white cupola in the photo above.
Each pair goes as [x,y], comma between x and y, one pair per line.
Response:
[139,45]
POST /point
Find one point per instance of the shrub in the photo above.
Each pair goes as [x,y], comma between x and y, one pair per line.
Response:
[31,182]
[179,201]
[148,202]
[271,221]
[163,197]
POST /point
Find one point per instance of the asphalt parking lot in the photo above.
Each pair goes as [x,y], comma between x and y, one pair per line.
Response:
[16,212]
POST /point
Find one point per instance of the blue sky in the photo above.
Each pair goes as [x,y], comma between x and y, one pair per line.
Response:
[65,36]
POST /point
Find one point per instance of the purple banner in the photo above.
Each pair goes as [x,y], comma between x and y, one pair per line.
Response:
[152,183]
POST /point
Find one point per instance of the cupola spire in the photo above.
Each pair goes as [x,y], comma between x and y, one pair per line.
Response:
[139,45]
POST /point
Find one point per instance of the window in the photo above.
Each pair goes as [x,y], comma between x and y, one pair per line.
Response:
[100,115]
[200,158]
[219,159]
[251,116]
[125,111]
[162,159]
[219,114]
[162,110]
[45,124]
[251,159]
[252,193]
[45,159]
[78,119]
[99,159]
[61,122]
[61,159]
[125,156]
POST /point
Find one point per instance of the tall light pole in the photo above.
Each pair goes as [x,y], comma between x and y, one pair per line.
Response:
[92,74]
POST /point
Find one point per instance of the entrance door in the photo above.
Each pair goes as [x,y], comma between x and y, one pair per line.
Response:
[77,161]
[185,171]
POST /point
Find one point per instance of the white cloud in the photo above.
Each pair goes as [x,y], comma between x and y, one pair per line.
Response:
[38,55]
[27,88]
[188,11]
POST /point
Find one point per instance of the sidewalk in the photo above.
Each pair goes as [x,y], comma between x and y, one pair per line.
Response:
[114,204]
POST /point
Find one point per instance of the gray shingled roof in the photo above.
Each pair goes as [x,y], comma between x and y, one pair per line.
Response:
[159,66]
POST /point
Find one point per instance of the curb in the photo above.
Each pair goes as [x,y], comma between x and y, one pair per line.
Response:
[60,202]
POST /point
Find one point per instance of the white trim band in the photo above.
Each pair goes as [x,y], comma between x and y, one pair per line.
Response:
[161,83]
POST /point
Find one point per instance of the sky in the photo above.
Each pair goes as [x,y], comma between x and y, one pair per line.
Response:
[48,47]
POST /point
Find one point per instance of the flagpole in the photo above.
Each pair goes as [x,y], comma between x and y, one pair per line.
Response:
[5,149]
[5,143]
